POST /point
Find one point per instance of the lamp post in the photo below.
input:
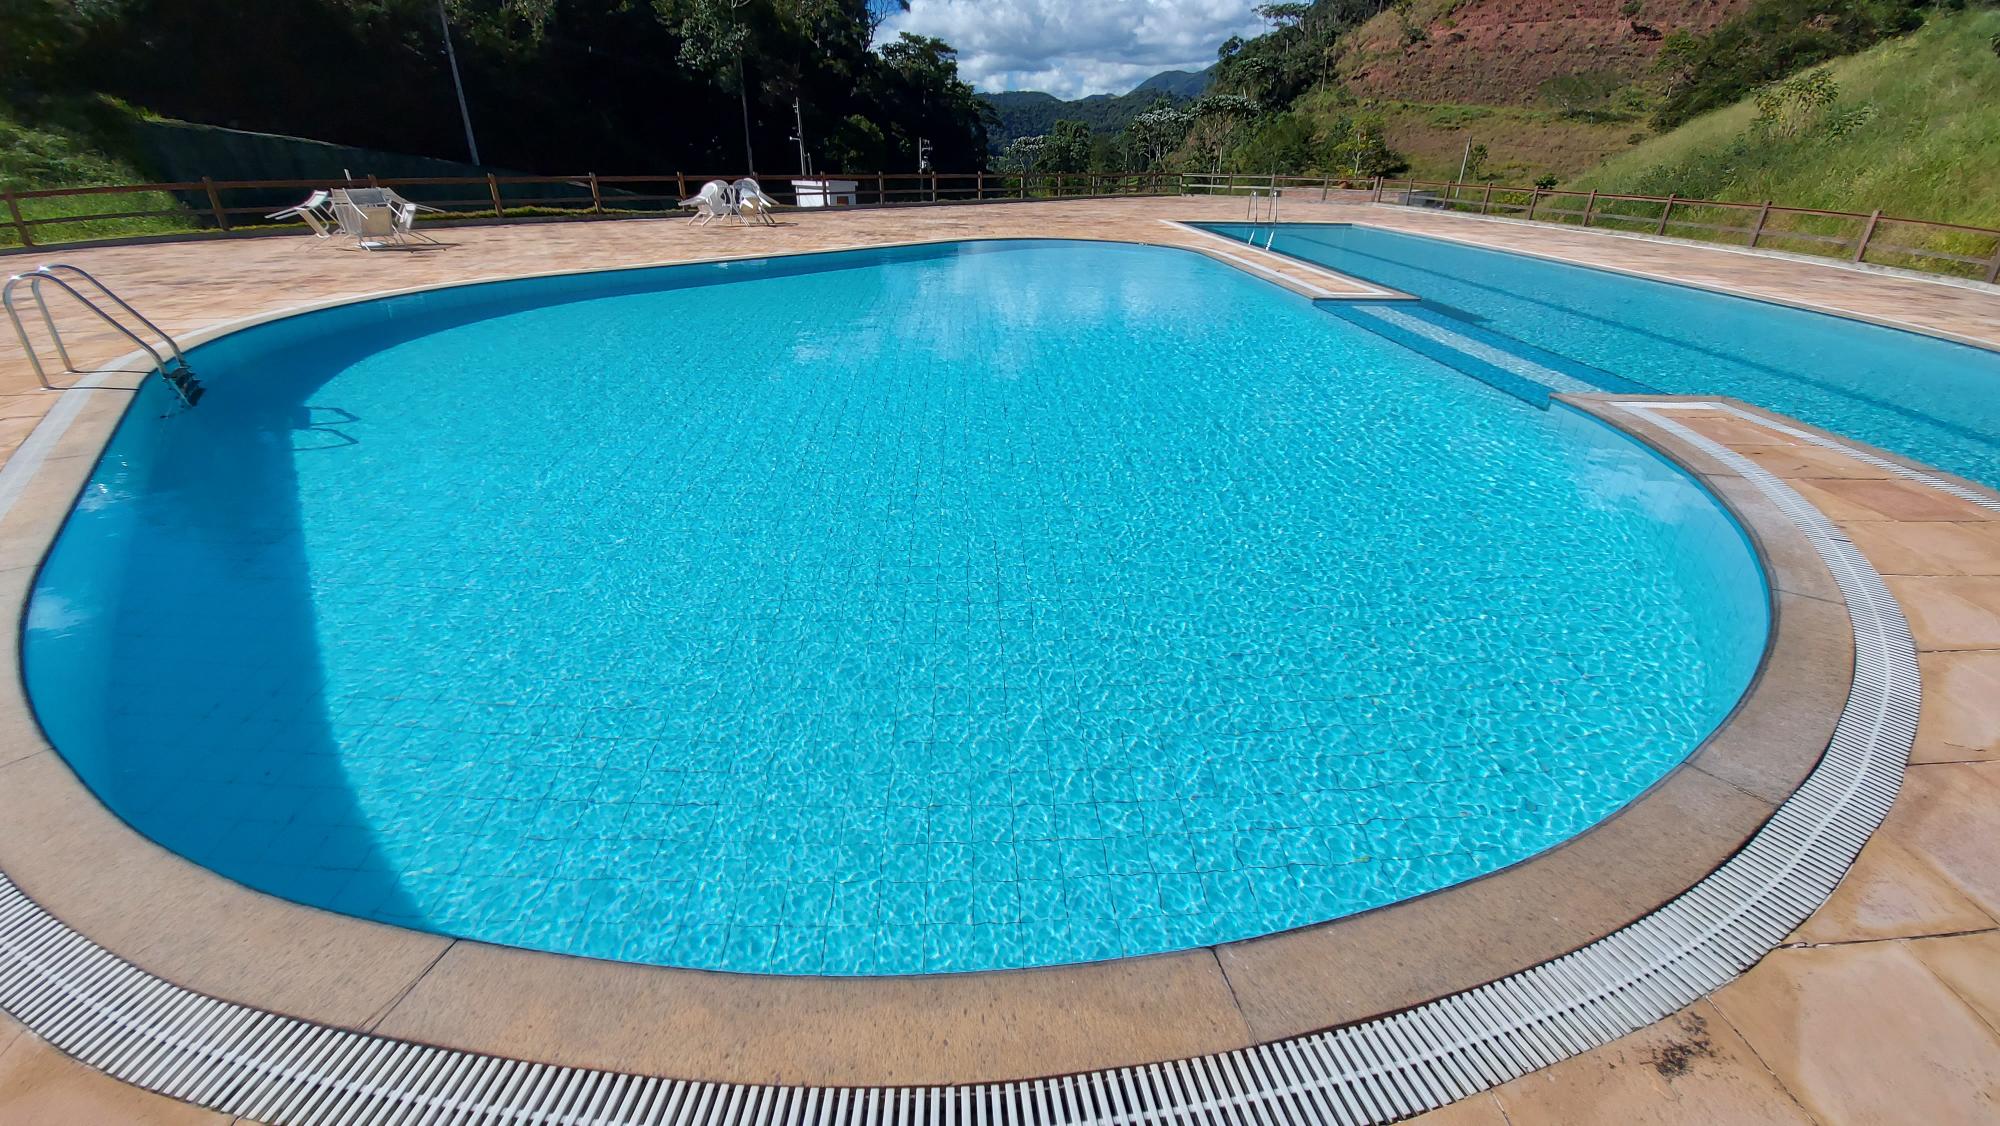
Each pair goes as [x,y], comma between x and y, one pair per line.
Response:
[799,135]
[451,56]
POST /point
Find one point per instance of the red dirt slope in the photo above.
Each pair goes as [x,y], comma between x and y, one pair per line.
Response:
[1499,52]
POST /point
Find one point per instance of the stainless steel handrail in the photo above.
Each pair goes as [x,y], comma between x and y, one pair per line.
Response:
[56,273]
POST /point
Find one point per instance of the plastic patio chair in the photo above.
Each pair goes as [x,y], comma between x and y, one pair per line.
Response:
[716,200]
[752,205]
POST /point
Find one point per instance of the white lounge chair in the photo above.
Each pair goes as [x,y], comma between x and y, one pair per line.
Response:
[716,200]
[316,213]
[752,205]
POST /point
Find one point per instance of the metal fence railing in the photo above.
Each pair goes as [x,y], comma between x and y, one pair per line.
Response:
[54,216]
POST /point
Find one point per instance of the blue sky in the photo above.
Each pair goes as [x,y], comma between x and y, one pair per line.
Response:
[1076,47]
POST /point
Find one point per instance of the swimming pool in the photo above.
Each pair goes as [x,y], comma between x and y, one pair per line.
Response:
[1931,400]
[947,608]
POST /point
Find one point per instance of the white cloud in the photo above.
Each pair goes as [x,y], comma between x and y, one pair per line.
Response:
[1075,47]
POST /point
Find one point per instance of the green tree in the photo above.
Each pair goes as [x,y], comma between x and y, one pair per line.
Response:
[1156,133]
[1023,154]
[39,34]
[715,36]
[1067,148]
[553,85]
[927,100]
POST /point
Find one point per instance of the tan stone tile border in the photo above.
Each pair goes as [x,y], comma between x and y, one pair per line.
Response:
[206,933]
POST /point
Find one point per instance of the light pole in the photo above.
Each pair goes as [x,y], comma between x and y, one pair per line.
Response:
[799,135]
[451,56]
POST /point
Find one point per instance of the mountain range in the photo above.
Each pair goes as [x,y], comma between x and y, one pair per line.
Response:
[1029,113]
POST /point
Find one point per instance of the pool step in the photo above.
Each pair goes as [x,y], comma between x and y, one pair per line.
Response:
[1522,370]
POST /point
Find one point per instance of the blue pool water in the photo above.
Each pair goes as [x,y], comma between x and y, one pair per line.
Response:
[1932,400]
[964,607]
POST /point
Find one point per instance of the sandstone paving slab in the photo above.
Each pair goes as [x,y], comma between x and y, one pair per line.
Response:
[1890,499]
[1479,1110]
[1865,1033]
[1961,717]
[1892,892]
[1950,612]
[1930,547]
[1970,965]
[39,1086]
[1691,1067]
[1950,815]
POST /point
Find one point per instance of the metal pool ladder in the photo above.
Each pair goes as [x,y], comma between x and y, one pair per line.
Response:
[175,371]
[1257,209]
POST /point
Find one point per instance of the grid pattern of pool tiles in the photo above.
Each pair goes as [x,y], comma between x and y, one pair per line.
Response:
[925,619]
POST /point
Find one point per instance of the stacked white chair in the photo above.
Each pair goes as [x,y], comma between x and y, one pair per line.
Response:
[716,200]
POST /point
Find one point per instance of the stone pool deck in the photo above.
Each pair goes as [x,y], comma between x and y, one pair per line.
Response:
[1885,1007]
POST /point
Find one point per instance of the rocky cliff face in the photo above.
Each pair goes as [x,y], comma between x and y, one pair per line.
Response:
[1501,52]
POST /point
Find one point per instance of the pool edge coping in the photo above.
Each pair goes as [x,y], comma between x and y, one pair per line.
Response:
[49,494]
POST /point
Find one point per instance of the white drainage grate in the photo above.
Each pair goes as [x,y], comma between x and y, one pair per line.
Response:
[270,1068]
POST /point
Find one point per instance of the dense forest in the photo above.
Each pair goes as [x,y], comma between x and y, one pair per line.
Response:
[550,85]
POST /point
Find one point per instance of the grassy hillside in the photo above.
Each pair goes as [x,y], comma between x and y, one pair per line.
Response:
[1914,130]
[78,144]
[1521,143]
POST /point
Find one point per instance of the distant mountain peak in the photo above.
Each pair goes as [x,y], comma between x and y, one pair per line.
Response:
[1179,83]
[1024,113]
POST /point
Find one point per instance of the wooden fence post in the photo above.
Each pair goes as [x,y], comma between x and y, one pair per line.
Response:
[1867,232]
[1378,190]
[1486,200]
[215,203]
[881,187]
[933,185]
[681,185]
[1993,267]
[21,224]
[1589,206]
[979,187]
[1664,212]
[596,197]
[493,187]
[1534,201]
[1757,228]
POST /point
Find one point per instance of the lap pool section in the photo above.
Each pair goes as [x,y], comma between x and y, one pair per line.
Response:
[1934,401]
[951,608]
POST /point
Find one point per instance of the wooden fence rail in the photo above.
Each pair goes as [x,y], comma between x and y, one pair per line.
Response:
[41,217]
[1874,237]
[239,206]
